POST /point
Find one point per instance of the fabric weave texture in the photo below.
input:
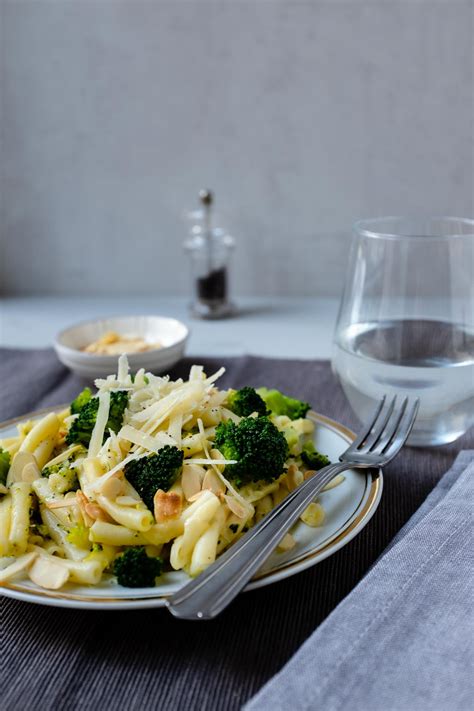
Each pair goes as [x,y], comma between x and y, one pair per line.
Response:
[72,659]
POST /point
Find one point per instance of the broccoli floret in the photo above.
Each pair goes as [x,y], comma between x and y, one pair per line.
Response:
[280,404]
[82,399]
[258,446]
[65,476]
[79,536]
[81,428]
[4,465]
[312,458]
[157,471]
[246,401]
[135,569]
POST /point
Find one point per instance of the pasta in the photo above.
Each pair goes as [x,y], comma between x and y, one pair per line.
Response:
[152,464]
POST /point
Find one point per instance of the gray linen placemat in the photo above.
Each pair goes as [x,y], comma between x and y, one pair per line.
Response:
[72,659]
[403,639]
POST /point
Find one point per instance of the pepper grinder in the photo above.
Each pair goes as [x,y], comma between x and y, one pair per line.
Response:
[210,249]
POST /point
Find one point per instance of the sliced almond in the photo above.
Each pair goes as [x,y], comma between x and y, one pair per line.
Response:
[313,515]
[335,482]
[95,512]
[213,482]
[82,500]
[309,473]
[167,505]
[31,472]
[113,487]
[48,574]
[293,477]
[191,479]
[286,543]
[19,462]
[236,507]
[195,497]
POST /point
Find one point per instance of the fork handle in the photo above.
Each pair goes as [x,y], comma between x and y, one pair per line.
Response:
[211,592]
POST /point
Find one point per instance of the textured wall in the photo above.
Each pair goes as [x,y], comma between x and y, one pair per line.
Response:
[303,116]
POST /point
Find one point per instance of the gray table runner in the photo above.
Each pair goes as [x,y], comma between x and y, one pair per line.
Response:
[403,639]
[72,659]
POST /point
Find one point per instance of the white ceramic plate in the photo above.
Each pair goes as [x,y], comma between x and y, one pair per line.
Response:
[172,334]
[348,507]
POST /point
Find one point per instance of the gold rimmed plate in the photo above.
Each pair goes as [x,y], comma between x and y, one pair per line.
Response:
[348,507]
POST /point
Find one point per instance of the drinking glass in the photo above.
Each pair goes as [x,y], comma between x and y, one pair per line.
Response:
[406,322]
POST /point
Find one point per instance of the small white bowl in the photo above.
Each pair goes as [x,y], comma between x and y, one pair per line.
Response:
[171,333]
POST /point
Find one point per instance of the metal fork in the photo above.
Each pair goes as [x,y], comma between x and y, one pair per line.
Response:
[379,442]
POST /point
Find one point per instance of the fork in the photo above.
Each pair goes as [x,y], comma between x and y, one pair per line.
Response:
[377,444]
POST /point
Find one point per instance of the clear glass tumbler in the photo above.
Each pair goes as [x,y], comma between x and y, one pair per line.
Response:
[406,322]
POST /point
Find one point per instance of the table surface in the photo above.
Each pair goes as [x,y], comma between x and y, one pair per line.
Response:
[272,327]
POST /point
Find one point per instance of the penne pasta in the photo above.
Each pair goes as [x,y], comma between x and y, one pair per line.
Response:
[21,501]
[205,466]
[138,518]
[5,524]
[40,440]
[115,535]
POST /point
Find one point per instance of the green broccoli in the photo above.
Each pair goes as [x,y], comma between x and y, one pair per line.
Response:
[4,465]
[258,446]
[312,458]
[68,480]
[81,428]
[280,404]
[246,401]
[135,569]
[79,536]
[156,471]
[82,399]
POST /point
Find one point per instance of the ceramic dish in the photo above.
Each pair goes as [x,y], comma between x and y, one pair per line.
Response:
[348,508]
[172,334]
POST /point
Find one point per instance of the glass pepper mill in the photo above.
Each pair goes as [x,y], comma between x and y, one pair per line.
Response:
[210,249]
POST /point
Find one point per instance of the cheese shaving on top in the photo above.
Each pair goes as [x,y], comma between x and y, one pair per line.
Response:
[98,432]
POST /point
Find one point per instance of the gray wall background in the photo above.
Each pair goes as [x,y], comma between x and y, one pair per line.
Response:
[302,115]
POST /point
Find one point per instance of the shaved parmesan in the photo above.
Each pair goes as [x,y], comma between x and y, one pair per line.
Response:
[97,436]
[216,376]
[123,368]
[152,444]
[196,372]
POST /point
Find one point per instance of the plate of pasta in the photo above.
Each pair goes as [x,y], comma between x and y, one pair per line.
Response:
[116,499]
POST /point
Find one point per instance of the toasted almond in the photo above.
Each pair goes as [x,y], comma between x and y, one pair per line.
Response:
[191,479]
[195,497]
[82,500]
[294,477]
[309,473]
[213,482]
[113,487]
[236,507]
[313,515]
[167,505]
[335,482]
[97,513]
[286,543]
[215,454]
